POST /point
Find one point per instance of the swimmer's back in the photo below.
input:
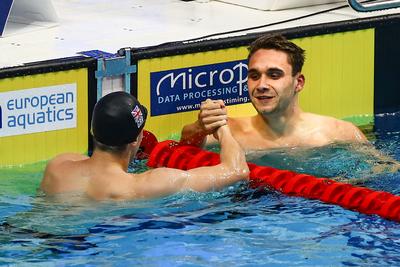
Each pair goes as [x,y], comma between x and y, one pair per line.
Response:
[75,173]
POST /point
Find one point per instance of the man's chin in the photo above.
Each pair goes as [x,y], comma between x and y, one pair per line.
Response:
[263,110]
[266,111]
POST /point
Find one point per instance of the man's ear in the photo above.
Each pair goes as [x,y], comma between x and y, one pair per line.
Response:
[300,81]
[134,143]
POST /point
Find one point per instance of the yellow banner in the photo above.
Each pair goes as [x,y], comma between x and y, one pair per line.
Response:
[43,115]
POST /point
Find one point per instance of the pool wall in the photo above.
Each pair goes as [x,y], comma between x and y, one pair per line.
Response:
[351,73]
[45,109]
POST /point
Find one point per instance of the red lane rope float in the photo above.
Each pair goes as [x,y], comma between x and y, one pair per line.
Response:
[149,141]
[361,199]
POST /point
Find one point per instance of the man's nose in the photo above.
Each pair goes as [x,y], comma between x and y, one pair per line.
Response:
[263,84]
[261,88]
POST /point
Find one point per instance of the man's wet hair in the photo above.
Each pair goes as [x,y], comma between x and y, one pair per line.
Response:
[296,55]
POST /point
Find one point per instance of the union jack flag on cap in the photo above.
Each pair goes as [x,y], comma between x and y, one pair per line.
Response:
[138,116]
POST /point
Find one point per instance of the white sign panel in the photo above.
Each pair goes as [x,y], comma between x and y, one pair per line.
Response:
[38,110]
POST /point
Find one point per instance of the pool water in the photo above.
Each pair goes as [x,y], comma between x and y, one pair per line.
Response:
[238,226]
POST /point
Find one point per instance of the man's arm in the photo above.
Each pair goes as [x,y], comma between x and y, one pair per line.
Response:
[233,168]
[381,162]
[212,115]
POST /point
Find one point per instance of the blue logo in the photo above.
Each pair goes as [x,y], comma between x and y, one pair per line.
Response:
[181,90]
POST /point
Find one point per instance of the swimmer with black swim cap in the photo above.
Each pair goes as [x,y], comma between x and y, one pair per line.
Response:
[118,119]
[117,128]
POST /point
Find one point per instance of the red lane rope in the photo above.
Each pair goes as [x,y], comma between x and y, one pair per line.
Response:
[149,141]
[364,200]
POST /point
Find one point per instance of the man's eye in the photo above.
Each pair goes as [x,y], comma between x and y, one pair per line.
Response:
[275,75]
[254,76]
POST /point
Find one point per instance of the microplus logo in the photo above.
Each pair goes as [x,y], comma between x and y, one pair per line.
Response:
[38,110]
[183,89]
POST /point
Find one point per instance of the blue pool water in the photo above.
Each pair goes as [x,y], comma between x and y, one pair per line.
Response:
[238,226]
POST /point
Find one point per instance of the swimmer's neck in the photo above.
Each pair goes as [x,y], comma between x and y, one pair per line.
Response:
[108,159]
[280,123]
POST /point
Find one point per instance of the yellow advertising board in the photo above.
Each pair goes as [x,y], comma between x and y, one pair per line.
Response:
[43,115]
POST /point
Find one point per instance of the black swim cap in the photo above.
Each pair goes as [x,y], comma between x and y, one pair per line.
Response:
[118,119]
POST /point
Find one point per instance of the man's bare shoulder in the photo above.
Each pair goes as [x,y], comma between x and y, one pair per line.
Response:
[158,182]
[60,160]
[336,129]
[239,124]
[58,172]
[159,175]
[68,157]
